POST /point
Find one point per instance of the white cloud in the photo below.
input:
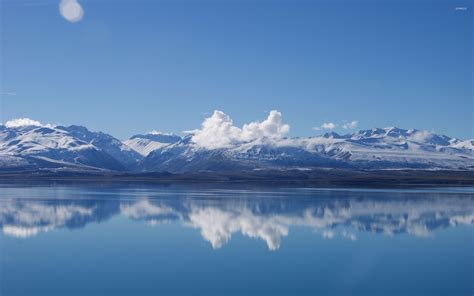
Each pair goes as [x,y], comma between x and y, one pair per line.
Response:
[326,126]
[190,132]
[19,122]
[420,136]
[158,133]
[71,10]
[272,127]
[350,125]
[218,131]
[331,125]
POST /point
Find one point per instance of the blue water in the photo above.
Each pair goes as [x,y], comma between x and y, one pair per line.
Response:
[176,240]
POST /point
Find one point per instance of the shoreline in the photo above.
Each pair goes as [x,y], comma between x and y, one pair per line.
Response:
[291,178]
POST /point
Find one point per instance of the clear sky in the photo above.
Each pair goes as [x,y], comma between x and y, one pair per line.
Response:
[131,66]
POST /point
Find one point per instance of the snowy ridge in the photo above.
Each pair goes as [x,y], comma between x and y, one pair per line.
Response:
[40,147]
[220,146]
[114,147]
[388,148]
[144,144]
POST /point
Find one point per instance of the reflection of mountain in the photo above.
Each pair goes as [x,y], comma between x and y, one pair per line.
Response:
[24,218]
[270,219]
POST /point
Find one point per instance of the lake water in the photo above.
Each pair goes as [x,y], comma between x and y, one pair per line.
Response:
[177,240]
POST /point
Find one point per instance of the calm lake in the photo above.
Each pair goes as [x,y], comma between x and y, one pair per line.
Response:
[176,240]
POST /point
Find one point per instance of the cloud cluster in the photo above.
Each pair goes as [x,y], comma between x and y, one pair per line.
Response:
[331,125]
[218,131]
[19,122]
[71,10]
[328,125]
[420,136]
[350,125]
[158,133]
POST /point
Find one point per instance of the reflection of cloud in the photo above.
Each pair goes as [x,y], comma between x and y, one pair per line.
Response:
[24,232]
[417,217]
[456,220]
[328,234]
[144,208]
[419,230]
[349,235]
[217,226]
[269,220]
[24,219]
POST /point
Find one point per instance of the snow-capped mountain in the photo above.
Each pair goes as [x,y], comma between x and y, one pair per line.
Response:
[144,144]
[387,148]
[185,156]
[27,144]
[114,147]
[37,147]
[468,144]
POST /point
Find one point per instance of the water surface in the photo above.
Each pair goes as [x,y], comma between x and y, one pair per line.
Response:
[171,240]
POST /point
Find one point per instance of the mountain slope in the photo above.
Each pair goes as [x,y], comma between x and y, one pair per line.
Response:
[144,144]
[389,148]
[121,152]
[39,147]
[33,146]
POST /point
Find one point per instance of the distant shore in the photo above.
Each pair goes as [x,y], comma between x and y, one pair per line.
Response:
[306,178]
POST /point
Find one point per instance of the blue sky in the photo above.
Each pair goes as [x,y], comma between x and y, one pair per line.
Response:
[135,66]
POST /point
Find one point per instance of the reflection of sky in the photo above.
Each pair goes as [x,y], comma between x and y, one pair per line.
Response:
[100,240]
[220,215]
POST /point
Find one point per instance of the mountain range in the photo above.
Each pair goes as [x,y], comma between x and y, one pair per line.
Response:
[36,147]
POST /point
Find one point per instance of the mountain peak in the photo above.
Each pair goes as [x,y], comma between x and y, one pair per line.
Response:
[29,144]
[332,135]
[158,137]
[146,143]
[74,128]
